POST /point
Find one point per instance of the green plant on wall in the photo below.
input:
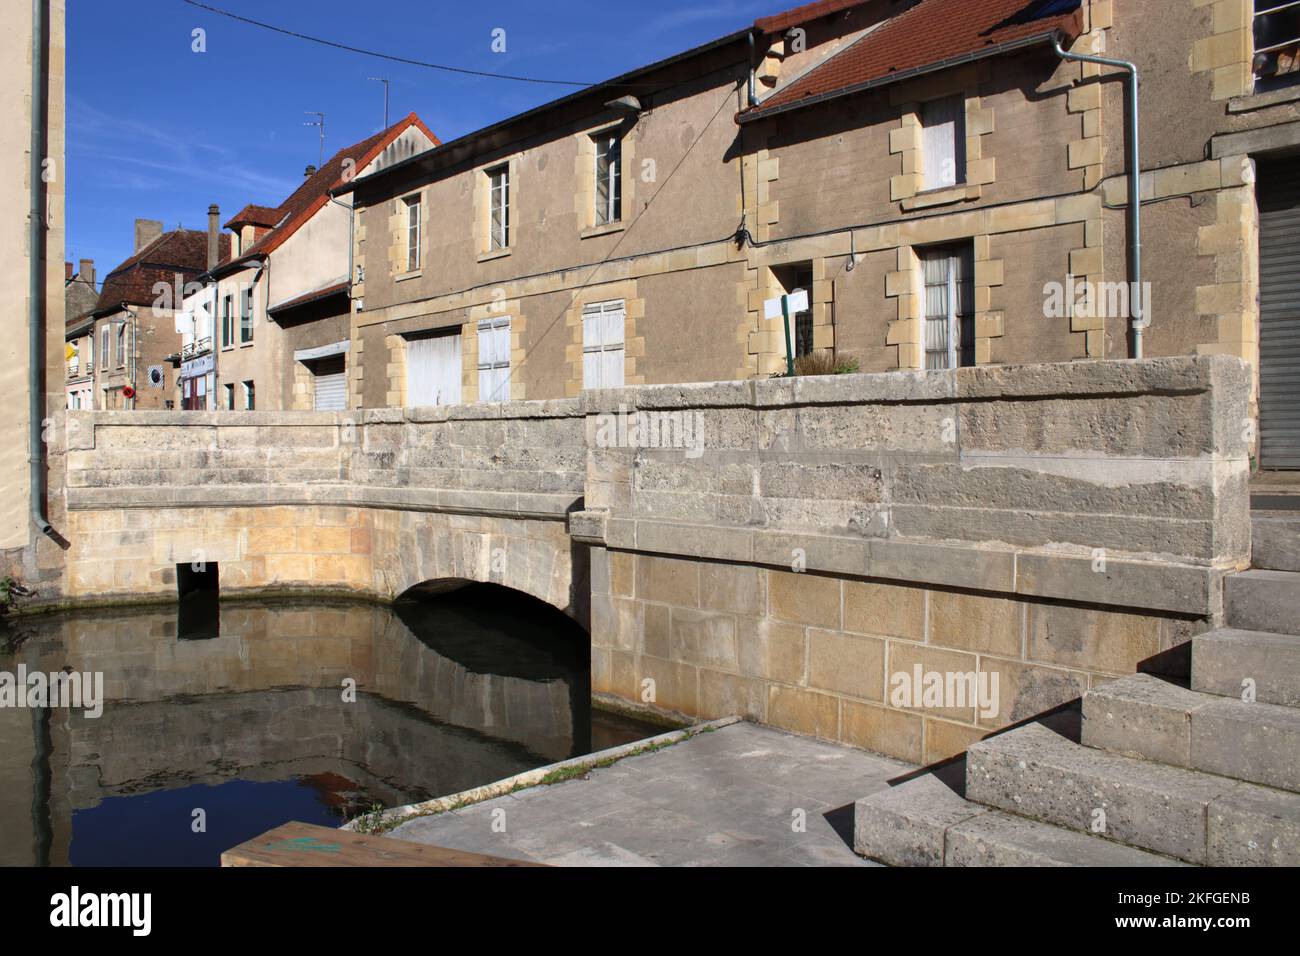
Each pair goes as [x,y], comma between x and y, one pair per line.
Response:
[821,363]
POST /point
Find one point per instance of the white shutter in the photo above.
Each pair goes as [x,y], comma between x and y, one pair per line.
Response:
[433,370]
[602,345]
[494,360]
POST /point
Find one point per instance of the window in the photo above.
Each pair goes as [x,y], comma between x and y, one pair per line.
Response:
[943,143]
[609,178]
[1277,44]
[246,315]
[249,402]
[227,327]
[90,354]
[103,347]
[949,274]
[602,345]
[412,233]
[494,360]
[499,223]
[228,397]
[121,345]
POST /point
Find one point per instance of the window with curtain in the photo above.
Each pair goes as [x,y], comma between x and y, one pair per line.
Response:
[609,178]
[413,234]
[494,360]
[246,315]
[943,142]
[949,275]
[227,322]
[602,345]
[499,224]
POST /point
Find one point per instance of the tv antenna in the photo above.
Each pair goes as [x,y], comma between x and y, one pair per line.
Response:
[386,82]
[319,121]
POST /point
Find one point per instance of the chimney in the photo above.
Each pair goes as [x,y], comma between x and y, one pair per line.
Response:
[146,231]
[309,172]
[87,271]
[67,272]
[214,233]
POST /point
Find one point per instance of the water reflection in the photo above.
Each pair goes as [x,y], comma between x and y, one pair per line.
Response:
[248,719]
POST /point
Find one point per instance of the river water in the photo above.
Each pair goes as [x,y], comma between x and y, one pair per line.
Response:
[221,721]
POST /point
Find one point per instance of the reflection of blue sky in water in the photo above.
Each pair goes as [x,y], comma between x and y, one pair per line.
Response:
[154,829]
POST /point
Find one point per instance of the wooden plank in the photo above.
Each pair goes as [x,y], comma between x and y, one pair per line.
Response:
[303,844]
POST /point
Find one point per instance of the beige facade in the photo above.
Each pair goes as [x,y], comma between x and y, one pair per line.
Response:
[835,199]
[29,556]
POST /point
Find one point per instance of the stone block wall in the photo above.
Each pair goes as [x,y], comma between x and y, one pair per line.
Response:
[825,545]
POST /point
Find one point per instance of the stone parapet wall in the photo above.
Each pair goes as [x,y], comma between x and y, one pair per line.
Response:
[1110,482]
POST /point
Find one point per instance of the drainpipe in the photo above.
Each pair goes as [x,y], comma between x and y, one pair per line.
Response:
[753,96]
[1138,321]
[36,278]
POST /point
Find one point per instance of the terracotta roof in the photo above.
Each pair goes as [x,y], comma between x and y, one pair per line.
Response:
[312,195]
[255,216]
[926,34]
[181,251]
[809,11]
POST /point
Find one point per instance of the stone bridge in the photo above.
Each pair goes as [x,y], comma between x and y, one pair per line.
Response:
[781,549]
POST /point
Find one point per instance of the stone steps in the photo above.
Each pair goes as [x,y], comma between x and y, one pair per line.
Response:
[1143,716]
[1223,660]
[1275,541]
[1261,600]
[1198,817]
[924,823]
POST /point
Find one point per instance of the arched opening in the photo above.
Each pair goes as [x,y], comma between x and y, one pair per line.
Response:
[528,652]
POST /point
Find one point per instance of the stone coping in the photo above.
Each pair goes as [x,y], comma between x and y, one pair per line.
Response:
[1156,585]
[1175,375]
[521,504]
[566,769]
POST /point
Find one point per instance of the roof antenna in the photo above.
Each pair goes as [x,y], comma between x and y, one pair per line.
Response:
[385,81]
[319,121]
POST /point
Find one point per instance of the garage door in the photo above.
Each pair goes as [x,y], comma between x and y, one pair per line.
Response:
[331,384]
[1279,313]
[433,370]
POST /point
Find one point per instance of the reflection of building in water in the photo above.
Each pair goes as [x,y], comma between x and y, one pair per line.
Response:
[264,701]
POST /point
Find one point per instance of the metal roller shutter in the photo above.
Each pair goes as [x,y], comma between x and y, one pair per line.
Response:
[1279,313]
[331,384]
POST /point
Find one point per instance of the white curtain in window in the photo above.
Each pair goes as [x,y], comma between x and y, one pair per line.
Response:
[943,142]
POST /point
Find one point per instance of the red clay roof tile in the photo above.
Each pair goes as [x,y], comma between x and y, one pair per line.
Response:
[929,32]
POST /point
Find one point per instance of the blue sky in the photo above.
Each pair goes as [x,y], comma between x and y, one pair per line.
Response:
[157,131]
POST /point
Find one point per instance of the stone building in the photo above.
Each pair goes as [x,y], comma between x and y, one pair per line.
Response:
[945,186]
[267,326]
[80,296]
[134,320]
[32,499]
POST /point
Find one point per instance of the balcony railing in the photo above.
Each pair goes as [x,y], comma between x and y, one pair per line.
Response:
[196,348]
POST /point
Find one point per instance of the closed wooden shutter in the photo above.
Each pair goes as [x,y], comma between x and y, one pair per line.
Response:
[331,384]
[602,345]
[433,370]
[1279,313]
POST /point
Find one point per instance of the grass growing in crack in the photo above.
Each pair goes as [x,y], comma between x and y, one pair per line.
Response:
[376,823]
